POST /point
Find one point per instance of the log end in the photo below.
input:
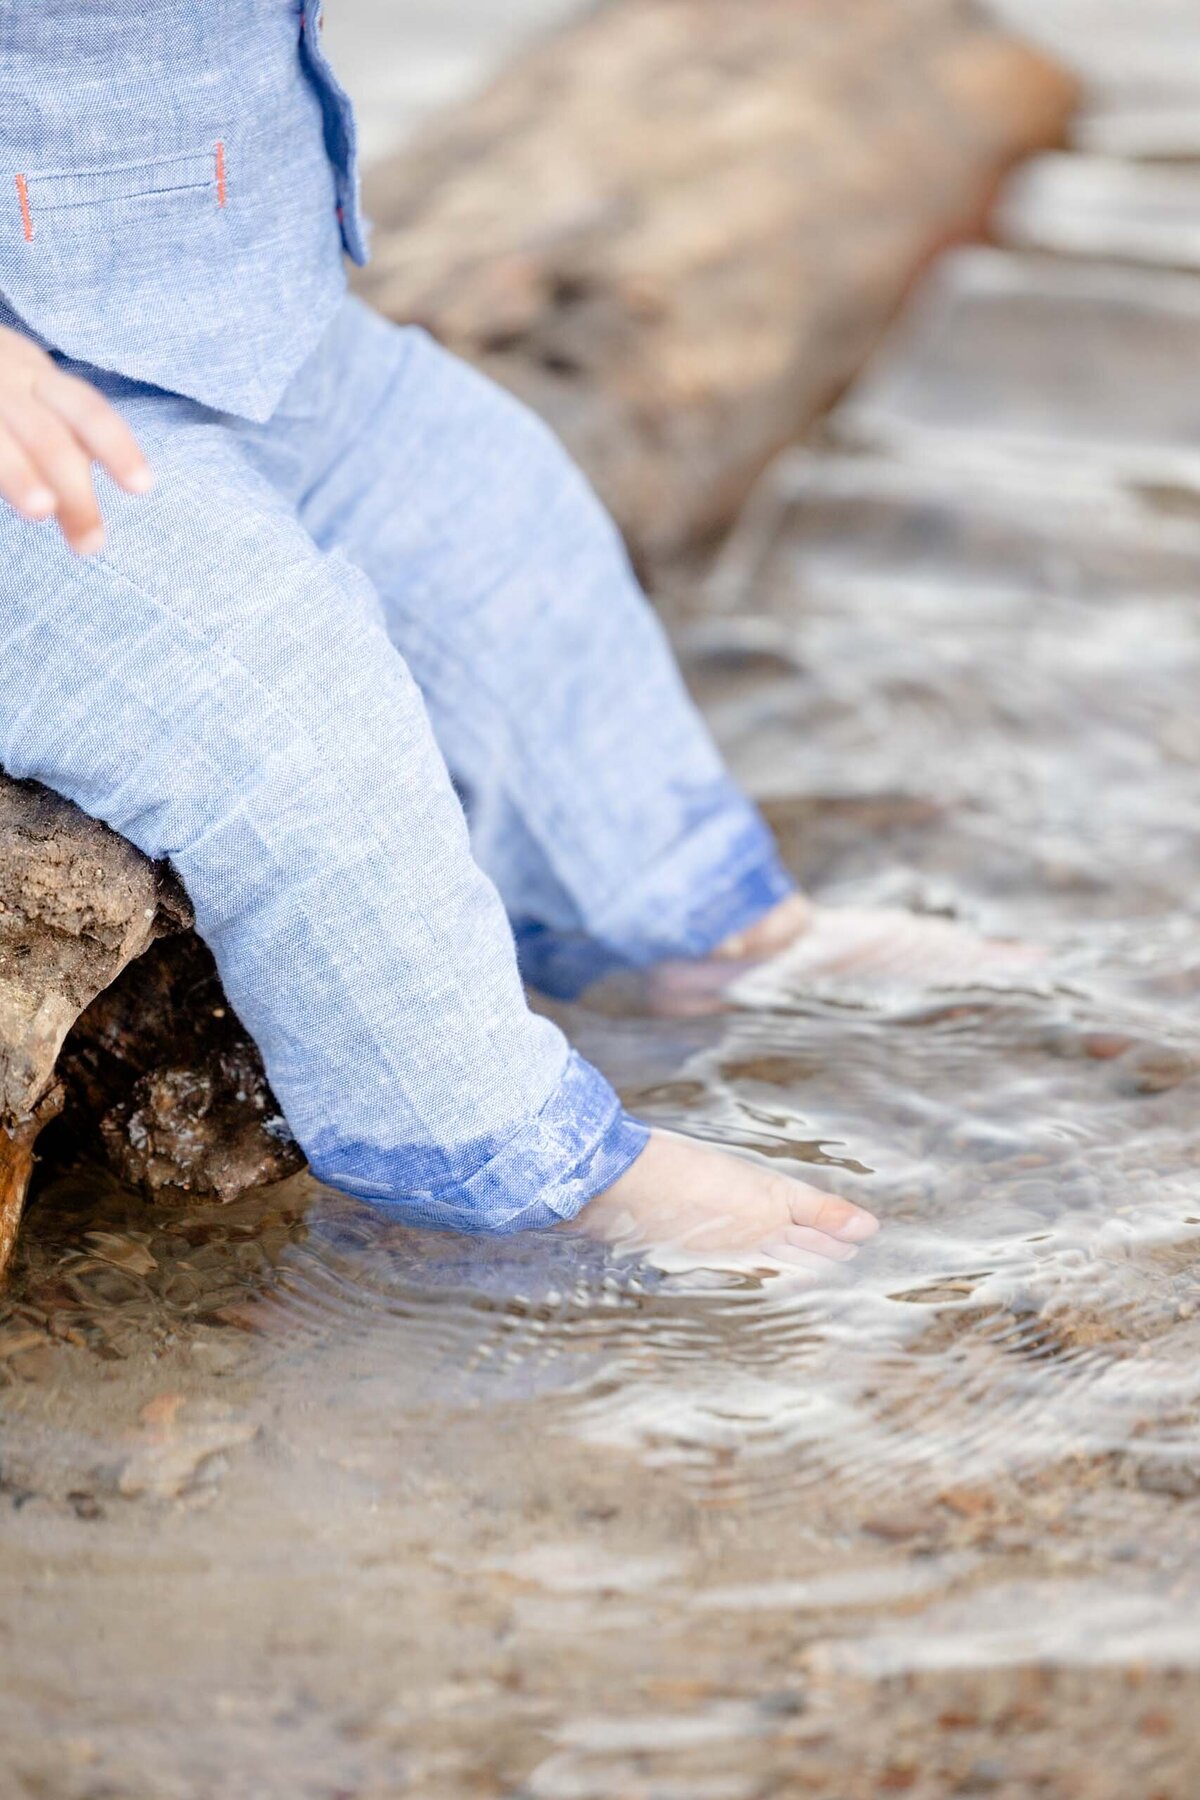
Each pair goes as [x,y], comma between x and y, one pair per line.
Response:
[16,1169]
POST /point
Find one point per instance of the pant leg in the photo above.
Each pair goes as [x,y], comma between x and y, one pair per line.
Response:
[226,696]
[599,803]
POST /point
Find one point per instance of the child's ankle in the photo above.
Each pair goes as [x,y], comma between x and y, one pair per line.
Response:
[772,933]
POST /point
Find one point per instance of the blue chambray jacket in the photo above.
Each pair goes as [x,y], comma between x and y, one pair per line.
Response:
[178,180]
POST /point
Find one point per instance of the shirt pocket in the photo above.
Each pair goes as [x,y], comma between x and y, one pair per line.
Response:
[108,203]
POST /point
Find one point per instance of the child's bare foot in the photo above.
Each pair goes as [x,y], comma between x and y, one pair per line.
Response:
[691,1200]
[791,919]
[798,945]
[881,947]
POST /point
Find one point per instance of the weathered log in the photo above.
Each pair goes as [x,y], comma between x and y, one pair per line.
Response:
[162,1078]
[16,1167]
[676,229]
[77,904]
[679,228]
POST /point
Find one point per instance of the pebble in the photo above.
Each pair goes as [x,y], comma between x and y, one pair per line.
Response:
[168,1458]
[1160,1476]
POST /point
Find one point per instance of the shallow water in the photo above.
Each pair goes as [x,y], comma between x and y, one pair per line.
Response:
[296,1502]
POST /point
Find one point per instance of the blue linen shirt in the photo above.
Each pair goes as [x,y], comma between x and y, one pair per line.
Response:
[177,186]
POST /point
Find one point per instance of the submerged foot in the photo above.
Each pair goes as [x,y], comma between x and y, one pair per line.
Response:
[696,1202]
[874,948]
[799,946]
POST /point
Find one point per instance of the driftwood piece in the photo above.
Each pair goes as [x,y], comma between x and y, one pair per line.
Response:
[676,229]
[16,1167]
[679,227]
[77,904]
[162,1078]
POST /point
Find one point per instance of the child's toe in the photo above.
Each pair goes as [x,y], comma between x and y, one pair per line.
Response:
[819,1243]
[832,1216]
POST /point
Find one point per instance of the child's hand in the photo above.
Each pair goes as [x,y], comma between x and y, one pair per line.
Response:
[52,428]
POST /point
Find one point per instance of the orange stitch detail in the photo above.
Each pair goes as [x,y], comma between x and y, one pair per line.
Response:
[26,215]
[220,174]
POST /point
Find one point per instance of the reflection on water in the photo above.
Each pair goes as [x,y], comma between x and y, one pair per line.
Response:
[296,1502]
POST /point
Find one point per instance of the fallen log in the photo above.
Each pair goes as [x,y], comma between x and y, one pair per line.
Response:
[161,1079]
[77,905]
[679,228]
[676,229]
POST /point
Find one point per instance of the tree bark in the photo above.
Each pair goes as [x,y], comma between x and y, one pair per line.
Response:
[77,905]
[676,229]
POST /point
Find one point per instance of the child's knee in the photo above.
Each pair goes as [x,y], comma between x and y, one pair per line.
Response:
[491,473]
[191,668]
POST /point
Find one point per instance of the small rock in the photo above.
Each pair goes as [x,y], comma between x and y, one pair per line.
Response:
[983,1777]
[1160,1476]
[1156,1069]
[967,1502]
[37,1363]
[160,1413]
[784,1703]
[907,1522]
[85,1505]
[173,1445]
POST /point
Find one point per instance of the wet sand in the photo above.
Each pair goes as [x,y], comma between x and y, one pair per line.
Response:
[295,1502]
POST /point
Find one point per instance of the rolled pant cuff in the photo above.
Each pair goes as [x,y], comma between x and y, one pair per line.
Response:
[720,880]
[544,1173]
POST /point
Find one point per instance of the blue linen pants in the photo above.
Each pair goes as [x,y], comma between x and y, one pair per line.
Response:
[377,680]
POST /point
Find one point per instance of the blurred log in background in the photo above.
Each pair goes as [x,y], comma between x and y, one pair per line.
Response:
[680,227]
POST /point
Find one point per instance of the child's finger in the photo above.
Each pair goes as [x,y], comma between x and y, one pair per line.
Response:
[20,483]
[99,427]
[67,467]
